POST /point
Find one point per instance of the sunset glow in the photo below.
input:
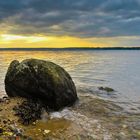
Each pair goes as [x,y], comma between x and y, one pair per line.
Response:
[39,41]
[45,41]
[69,23]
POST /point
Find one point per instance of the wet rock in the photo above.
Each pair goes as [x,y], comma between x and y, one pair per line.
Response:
[44,80]
[107,89]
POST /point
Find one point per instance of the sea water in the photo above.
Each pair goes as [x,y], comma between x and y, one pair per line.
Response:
[91,69]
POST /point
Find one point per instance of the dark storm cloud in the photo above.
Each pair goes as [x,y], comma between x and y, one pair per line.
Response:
[84,18]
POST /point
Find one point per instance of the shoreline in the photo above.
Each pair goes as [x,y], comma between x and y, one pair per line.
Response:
[90,118]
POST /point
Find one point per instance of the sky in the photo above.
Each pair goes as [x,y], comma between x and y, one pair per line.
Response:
[69,23]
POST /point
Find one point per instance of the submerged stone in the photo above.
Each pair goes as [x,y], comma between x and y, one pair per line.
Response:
[107,89]
[43,80]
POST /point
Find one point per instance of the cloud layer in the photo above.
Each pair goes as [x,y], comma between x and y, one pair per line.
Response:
[81,18]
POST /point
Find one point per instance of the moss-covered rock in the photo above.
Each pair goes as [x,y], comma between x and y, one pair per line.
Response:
[44,80]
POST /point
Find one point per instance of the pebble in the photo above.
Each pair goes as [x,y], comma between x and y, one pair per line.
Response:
[1,130]
[8,133]
[1,100]
[4,121]
[46,132]
[138,133]
[124,126]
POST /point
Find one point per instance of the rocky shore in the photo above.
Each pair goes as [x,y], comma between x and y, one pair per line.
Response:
[42,104]
[91,118]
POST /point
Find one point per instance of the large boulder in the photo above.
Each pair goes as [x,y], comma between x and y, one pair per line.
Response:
[43,80]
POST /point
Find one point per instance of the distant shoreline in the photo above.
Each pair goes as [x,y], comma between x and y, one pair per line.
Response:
[69,49]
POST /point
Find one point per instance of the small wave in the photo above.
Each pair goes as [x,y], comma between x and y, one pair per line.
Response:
[91,127]
[85,90]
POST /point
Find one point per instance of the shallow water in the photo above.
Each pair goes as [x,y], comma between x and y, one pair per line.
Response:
[119,70]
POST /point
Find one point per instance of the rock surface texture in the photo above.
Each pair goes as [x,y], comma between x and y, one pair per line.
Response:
[43,80]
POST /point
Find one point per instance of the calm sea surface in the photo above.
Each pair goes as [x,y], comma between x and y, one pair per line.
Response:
[118,69]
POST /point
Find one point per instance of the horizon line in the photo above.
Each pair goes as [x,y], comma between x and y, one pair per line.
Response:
[70,48]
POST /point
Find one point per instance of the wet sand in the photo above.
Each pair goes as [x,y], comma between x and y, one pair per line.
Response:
[91,118]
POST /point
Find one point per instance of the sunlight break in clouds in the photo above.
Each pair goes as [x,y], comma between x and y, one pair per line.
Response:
[44,41]
[21,41]
[69,23]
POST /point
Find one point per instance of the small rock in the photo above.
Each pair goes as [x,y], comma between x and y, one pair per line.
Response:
[34,123]
[46,132]
[1,100]
[1,130]
[7,101]
[124,126]
[4,121]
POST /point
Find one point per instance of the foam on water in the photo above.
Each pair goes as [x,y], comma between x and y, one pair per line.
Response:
[92,127]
